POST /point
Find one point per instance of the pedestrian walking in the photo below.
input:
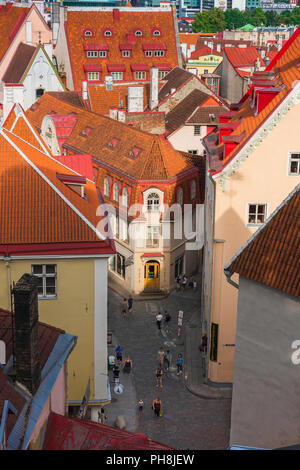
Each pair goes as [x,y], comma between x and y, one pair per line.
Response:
[140,405]
[124,307]
[159,318]
[178,282]
[116,372]
[194,284]
[160,356]
[157,407]
[119,353]
[179,364]
[167,318]
[127,365]
[159,374]
[102,416]
[130,302]
[184,282]
[167,360]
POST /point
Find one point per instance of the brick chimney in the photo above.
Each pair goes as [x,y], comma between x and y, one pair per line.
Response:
[28,370]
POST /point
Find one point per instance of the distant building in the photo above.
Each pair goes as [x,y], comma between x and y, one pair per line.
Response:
[203,61]
[223,4]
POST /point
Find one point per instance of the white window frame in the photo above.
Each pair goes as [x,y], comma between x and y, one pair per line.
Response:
[162,74]
[92,53]
[159,53]
[198,128]
[126,53]
[125,197]
[140,75]
[102,53]
[148,53]
[107,33]
[291,152]
[153,202]
[117,76]
[93,76]
[116,191]
[156,32]
[106,187]
[88,33]
[138,33]
[153,241]
[44,275]
[194,152]
[256,224]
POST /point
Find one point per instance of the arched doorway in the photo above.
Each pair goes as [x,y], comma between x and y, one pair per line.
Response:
[151,276]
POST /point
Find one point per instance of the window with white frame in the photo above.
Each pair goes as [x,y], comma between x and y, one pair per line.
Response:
[117,264]
[159,53]
[116,192]
[153,202]
[180,196]
[46,276]
[294,163]
[117,76]
[102,53]
[107,33]
[93,76]
[125,198]
[126,53]
[197,130]
[153,235]
[106,187]
[140,75]
[156,33]
[162,74]
[88,33]
[92,53]
[138,33]
[256,213]
[148,53]
[194,152]
[193,190]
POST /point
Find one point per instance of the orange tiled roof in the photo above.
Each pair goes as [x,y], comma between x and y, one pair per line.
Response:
[189,38]
[272,254]
[36,207]
[102,100]
[156,159]
[204,51]
[243,57]
[285,66]
[129,21]
[11,18]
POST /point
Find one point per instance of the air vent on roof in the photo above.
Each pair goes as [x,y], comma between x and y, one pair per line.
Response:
[134,153]
[86,131]
[113,143]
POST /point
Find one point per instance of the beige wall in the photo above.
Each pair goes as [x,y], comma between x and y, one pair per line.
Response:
[73,311]
[184,139]
[263,177]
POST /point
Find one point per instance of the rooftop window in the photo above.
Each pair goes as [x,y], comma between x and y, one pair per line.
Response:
[113,143]
[134,153]
[138,32]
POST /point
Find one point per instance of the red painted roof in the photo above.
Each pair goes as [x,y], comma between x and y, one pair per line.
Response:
[81,163]
[243,57]
[63,433]
[123,32]
[204,51]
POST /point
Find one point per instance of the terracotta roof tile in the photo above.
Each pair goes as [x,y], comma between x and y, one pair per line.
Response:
[10,21]
[128,22]
[243,57]
[272,255]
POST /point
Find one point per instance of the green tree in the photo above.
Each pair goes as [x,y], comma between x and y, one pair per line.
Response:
[295,16]
[271,18]
[234,18]
[212,21]
[285,17]
[258,17]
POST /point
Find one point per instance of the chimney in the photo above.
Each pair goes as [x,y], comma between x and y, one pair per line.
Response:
[28,370]
[135,99]
[84,90]
[116,14]
[153,102]
[279,43]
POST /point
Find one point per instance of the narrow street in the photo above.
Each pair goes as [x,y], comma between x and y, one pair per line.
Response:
[188,422]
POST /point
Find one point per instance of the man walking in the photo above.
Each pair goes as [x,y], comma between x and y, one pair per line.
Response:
[130,302]
[159,318]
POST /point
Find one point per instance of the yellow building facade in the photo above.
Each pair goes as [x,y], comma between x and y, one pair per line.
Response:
[204,64]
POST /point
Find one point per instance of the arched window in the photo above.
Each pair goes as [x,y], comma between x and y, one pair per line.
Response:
[125,197]
[108,32]
[106,187]
[153,202]
[193,190]
[156,32]
[88,32]
[180,196]
[138,32]
[116,192]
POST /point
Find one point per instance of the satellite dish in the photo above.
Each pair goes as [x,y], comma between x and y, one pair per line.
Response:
[119,389]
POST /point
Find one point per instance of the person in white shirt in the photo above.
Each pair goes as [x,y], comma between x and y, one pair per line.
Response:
[159,318]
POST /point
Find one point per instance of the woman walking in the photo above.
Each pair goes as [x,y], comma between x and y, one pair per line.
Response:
[160,357]
[157,407]
[179,364]
[127,365]
[159,374]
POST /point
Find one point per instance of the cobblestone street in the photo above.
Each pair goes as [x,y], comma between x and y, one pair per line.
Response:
[188,422]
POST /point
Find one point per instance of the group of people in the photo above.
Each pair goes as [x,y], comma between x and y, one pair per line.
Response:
[183,282]
[126,306]
[163,318]
[127,364]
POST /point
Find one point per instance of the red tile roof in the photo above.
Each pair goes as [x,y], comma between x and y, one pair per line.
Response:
[129,21]
[204,51]
[63,433]
[272,255]
[243,57]
[286,74]
[37,209]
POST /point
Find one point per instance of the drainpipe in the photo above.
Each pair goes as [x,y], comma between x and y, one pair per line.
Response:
[228,275]
[7,264]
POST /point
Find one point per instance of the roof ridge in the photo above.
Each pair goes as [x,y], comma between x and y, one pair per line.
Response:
[52,185]
[263,226]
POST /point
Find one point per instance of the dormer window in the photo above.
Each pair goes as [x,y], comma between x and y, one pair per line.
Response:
[153,202]
[108,32]
[113,143]
[156,32]
[134,153]
[74,182]
[159,53]
[126,53]
[88,33]
[138,32]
